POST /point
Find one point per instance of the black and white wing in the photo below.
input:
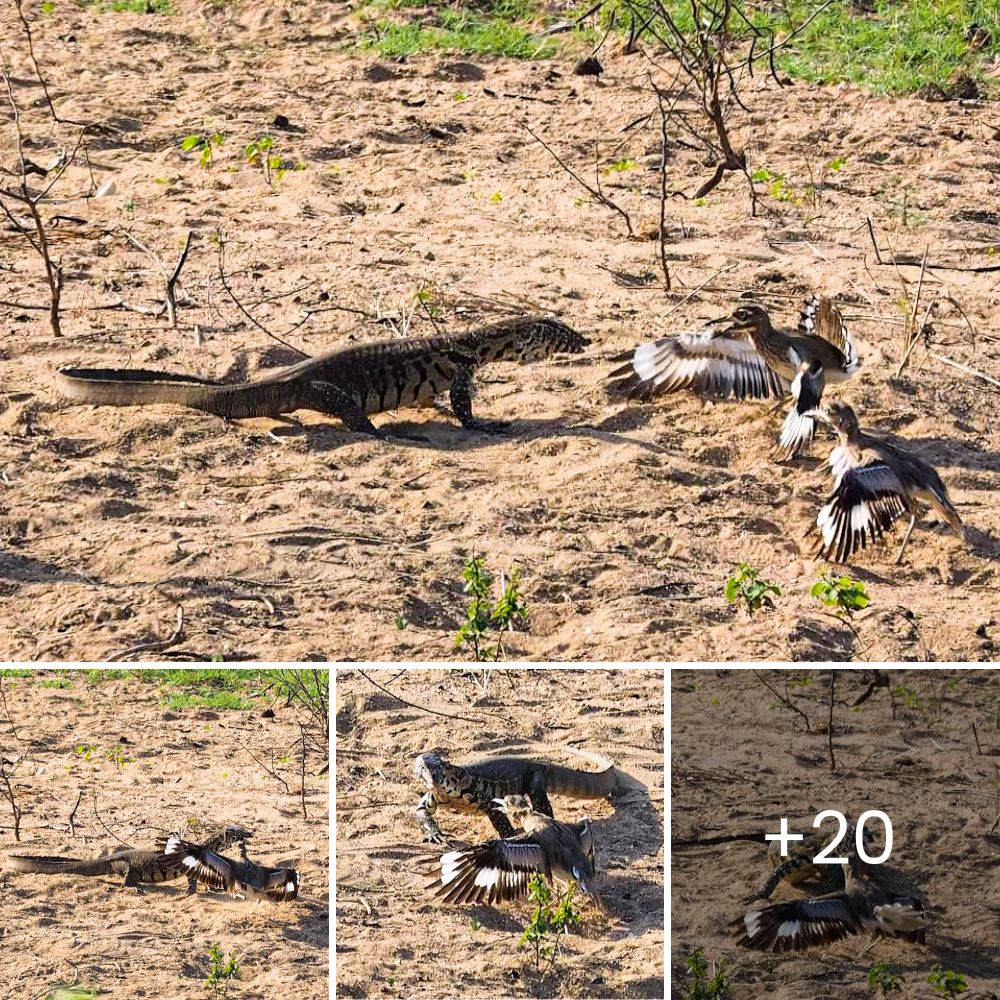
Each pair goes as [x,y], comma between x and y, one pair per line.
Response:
[212,869]
[863,506]
[701,360]
[801,923]
[821,318]
[280,885]
[490,873]
[800,425]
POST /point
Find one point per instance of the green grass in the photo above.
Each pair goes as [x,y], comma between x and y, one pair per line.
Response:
[206,697]
[132,6]
[906,45]
[903,47]
[490,28]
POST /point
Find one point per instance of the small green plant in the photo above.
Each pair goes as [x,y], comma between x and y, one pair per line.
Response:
[619,167]
[260,153]
[882,978]
[484,615]
[777,185]
[117,757]
[945,982]
[700,986]
[204,145]
[547,922]
[746,585]
[222,970]
[59,682]
[86,751]
[909,698]
[842,594]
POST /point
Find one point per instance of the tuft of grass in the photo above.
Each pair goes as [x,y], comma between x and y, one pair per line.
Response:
[59,682]
[488,28]
[132,6]
[206,697]
[894,48]
[899,48]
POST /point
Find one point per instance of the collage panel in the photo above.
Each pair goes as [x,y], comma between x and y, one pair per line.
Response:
[887,785]
[500,833]
[164,833]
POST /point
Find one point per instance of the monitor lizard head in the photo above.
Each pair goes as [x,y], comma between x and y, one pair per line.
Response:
[541,337]
[236,834]
[428,769]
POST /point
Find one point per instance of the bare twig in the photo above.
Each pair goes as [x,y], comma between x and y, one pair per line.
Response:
[965,368]
[239,305]
[594,192]
[829,724]
[269,770]
[302,771]
[784,699]
[420,708]
[154,644]
[72,815]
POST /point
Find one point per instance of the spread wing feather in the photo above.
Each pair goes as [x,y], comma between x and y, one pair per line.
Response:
[863,506]
[820,317]
[492,872]
[702,360]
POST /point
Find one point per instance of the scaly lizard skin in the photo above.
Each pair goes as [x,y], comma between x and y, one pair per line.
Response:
[135,865]
[350,383]
[472,788]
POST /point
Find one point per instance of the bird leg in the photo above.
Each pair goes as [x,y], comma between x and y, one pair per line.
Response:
[906,538]
[867,948]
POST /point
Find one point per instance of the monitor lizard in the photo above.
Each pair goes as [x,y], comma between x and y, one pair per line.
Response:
[474,788]
[135,864]
[350,383]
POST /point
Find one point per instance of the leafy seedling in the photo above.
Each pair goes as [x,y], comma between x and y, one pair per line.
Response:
[748,587]
[881,977]
[222,970]
[700,987]
[844,595]
[204,146]
[547,922]
[486,620]
[945,982]
[260,153]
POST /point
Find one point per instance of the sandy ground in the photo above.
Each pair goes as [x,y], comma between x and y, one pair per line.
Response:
[741,761]
[181,764]
[391,939]
[303,540]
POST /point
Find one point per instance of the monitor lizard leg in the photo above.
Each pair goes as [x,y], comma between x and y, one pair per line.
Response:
[330,398]
[461,393]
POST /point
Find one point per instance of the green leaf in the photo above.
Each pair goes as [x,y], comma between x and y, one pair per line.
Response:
[190,141]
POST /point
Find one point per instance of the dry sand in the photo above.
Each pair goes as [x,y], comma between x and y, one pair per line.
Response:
[392,940]
[741,761]
[312,541]
[180,764]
